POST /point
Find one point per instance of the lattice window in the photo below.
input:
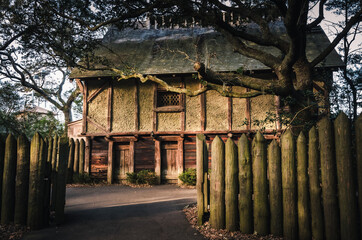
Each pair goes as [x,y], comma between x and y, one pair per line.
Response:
[168,99]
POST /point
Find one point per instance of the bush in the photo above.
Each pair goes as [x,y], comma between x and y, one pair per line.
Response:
[82,178]
[142,177]
[188,177]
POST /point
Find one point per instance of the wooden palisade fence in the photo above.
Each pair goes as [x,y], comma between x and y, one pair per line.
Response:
[32,176]
[303,189]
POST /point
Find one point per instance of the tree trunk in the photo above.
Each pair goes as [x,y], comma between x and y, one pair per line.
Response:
[67,119]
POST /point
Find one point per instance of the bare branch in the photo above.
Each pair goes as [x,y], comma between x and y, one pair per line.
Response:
[320,17]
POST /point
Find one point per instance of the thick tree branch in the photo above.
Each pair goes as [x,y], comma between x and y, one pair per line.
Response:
[355,19]
[320,17]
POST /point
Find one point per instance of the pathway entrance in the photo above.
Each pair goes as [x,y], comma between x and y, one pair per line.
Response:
[122,212]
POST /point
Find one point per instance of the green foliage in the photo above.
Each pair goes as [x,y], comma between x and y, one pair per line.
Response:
[142,177]
[188,177]
[82,178]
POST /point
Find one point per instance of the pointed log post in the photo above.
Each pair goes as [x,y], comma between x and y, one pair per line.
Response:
[8,189]
[61,180]
[47,179]
[290,221]
[2,153]
[206,185]
[158,160]
[36,183]
[347,192]
[302,183]
[81,156]
[54,172]
[358,127]
[200,151]
[260,185]
[329,180]
[314,187]
[231,186]
[22,180]
[275,189]
[70,161]
[217,184]
[87,155]
[245,186]
[76,158]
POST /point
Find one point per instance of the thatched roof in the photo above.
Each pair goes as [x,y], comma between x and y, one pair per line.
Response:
[173,51]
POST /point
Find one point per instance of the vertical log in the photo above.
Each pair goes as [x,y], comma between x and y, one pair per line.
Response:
[158,160]
[76,158]
[260,185]
[81,156]
[70,161]
[131,156]
[180,159]
[2,154]
[22,180]
[217,184]
[61,180]
[200,141]
[328,176]
[87,155]
[54,171]
[245,186]
[275,189]
[8,189]
[206,185]
[110,163]
[358,127]
[47,151]
[314,186]
[290,221]
[346,190]
[231,186]
[302,183]
[36,183]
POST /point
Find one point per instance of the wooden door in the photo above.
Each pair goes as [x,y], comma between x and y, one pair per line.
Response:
[169,156]
[121,161]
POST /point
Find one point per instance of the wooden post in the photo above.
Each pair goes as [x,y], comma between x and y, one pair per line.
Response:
[8,189]
[2,154]
[231,186]
[290,220]
[131,156]
[36,183]
[87,155]
[70,161]
[22,180]
[85,107]
[314,187]
[302,183]
[260,185]
[158,160]
[47,151]
[54,171]
[358,127]
[110,100]
[245,186]
[275,189]
[61,180]
[76,158]
[110,162]
[328,176]
[81,156]
[347,192]
[180,159]
[217,184]
[200,142]
[137,108]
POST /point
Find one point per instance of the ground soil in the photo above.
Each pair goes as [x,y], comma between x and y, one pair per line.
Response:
[12,232]
[222,234]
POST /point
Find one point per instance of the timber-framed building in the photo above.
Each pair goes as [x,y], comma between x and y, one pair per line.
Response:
[130,126]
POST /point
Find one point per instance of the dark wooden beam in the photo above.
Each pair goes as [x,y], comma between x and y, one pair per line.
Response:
[154,122]
[110,163]
[120,139]
[230,113]
[182,103]
[94,94]
[131,156]
[158,160]
[80,85]
[180,159]
[136,119]
[87,154]
[100,127]
[203,111]
[169,109]
[85,108]
[110,100]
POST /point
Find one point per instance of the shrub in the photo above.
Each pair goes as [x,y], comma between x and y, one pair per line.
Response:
[82,178]
[142,177]
[188,177]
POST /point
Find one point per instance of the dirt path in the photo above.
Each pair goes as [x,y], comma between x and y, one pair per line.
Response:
[121,212]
